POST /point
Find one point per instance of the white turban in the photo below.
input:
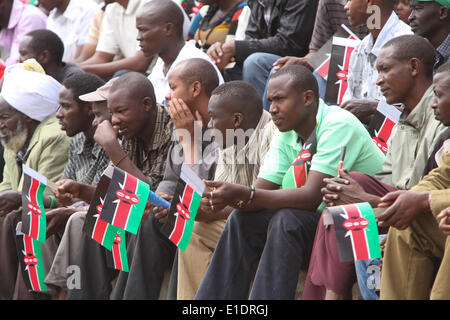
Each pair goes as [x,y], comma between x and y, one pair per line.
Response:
[33,93]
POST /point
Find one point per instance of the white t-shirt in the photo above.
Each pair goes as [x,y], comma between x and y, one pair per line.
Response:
[72,26]
[159,79]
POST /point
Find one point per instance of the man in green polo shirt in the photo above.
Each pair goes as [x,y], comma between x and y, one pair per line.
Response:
[277,218]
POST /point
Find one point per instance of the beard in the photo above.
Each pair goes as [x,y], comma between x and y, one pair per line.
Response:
[14,140]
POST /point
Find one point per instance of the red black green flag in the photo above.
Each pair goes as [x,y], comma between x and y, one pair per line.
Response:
[183,208]
[356,232]
[295,177]
[109,236]
[99,230]
[338,71]
[30,259]
[34,222]
[383,121]
[125,201]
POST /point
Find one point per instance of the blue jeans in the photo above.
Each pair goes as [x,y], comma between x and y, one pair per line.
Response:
[258,69]
[369,274]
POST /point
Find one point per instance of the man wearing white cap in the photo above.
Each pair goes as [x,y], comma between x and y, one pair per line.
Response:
[30,134]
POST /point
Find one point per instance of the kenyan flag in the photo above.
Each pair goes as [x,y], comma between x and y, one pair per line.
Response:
[295,177]
[34,273]
[183,208]
[99,230]
[356,232]
[34,222]
[119,251]
[125,201]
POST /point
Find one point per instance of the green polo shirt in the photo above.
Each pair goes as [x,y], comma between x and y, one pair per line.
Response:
[335,128]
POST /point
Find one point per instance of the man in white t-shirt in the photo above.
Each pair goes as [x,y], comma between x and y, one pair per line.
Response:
[167,42]
[118,39]
[70,20]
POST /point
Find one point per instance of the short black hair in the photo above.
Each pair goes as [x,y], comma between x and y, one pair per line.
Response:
[169,12]
[302,78]
[414,46]
[244,98]
[82,83]
[43,39]
[201,70]
[136,84]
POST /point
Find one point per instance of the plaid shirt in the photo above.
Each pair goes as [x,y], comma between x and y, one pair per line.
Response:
[87,160]
[153,162]
[442,53]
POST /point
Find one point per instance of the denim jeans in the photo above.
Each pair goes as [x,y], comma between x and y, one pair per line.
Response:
[368,273]
[258,69]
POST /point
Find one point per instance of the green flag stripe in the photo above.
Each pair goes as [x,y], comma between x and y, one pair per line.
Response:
[371,230]
[189,225]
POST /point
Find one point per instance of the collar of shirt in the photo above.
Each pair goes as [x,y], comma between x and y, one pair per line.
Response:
[385,34]
[443,51]
[16,13]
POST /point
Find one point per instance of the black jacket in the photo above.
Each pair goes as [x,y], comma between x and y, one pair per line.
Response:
[288,33]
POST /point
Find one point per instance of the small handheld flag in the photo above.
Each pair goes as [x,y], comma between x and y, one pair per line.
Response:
[356,232]
[31,261]
[125,201]
[183,209]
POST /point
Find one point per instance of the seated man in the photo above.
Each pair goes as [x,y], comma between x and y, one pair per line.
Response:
[168,44]
[415,247]
[405,66]
[86,160]
[277,218]
[30,135]
[154,252]
[16,20]
[47,49]
[145,129]
[70,20]
[363,94]
[118,39]
[233,106]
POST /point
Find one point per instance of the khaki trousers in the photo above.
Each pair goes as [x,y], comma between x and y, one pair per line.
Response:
[193,262]
[411,259]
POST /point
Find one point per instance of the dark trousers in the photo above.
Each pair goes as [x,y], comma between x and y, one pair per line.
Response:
[281,239]
[153,255]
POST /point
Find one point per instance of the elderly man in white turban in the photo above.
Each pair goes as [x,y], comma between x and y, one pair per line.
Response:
[30,135]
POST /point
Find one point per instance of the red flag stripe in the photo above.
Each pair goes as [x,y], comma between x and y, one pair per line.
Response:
[386,129]
[344,84]
[123,210]
[177,232]
[358,237]
[116,256]
[99,230]
[32,270]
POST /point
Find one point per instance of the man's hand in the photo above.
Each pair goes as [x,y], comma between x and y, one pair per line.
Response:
[406,206]
[68,190]
[444,221]
[182,117]
[222,53]
[159,212]
[223,194]
[289,61]
[363,109]
[9,201]
[105,134]
[345,190]
[57,219]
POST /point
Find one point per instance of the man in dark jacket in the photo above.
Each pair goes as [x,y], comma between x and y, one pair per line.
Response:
[280,27]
